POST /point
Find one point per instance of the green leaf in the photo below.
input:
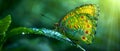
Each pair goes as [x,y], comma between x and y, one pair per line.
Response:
[4,24]
[20,30]
[41,31]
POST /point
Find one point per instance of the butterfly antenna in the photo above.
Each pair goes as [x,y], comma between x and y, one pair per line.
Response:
[81,47]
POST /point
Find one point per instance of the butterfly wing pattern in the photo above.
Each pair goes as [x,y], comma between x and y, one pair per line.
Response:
[80,24]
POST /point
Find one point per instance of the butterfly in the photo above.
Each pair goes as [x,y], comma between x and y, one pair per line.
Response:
[80,23]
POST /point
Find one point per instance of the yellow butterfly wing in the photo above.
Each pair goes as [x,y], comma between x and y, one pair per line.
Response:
[90,9]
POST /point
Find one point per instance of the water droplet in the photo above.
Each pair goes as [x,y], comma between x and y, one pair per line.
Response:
[23,33]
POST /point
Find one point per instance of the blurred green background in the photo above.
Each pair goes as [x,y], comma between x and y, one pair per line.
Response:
[45,13]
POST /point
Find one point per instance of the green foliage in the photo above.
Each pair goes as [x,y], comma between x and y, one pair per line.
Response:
[20,30]
[42,31]
[4,24]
